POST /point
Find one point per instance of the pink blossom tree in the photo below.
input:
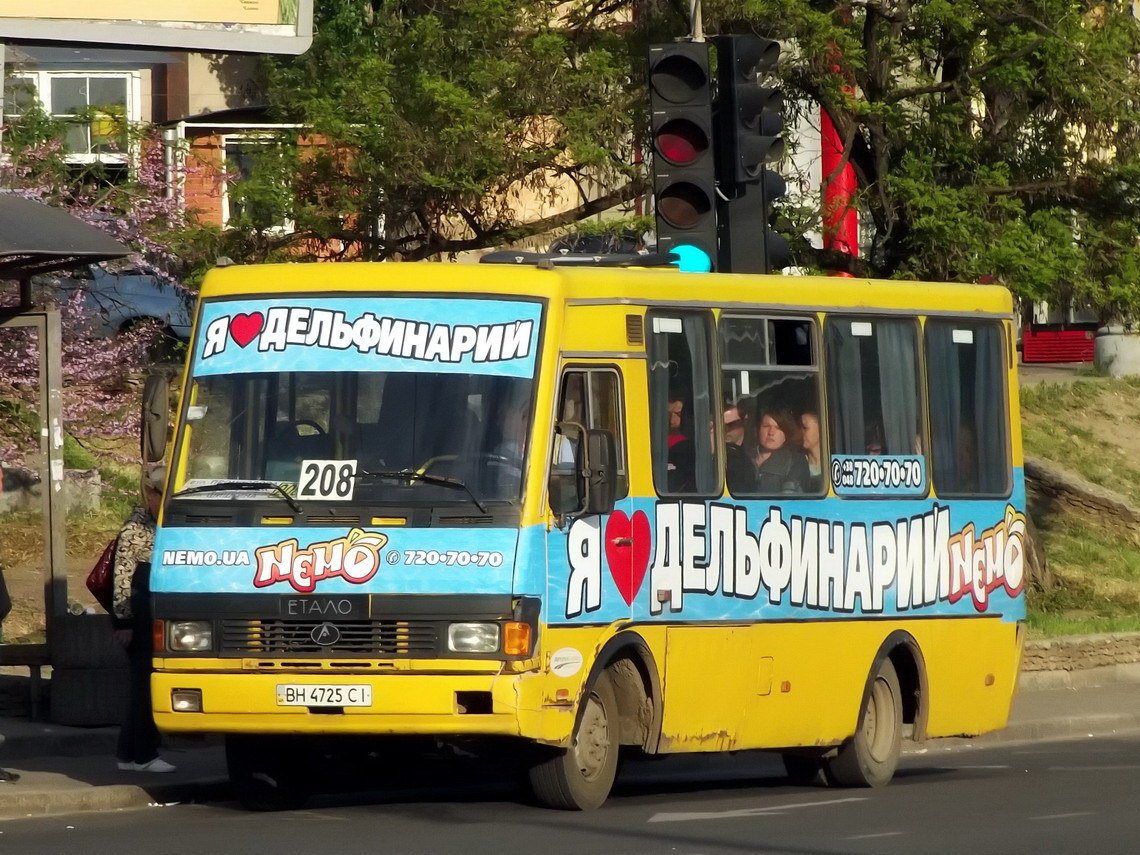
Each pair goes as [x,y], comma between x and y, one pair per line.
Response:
[99,397]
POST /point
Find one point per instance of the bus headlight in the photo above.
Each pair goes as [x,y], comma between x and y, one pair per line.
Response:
[473,638]
[190,635]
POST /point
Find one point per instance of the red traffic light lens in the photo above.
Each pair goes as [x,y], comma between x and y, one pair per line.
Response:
[682,205]
[681,142]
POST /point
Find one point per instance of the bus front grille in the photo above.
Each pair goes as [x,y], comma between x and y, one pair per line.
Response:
[260,636]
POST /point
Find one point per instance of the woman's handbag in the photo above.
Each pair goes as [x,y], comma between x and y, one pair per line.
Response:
[101,579]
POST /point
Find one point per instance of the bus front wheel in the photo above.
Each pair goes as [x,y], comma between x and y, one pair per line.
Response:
[870,757]
[267,773]
[581,776]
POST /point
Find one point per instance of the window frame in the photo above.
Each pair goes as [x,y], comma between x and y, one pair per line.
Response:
[255,138]
[41,80]
[1005,348]
[816,343]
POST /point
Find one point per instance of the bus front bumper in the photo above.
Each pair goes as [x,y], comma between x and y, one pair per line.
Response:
[405,703]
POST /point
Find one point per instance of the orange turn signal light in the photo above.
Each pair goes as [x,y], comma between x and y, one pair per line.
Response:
[516,638]
[158,635]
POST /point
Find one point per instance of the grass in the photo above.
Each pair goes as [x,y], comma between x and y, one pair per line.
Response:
[1092,429]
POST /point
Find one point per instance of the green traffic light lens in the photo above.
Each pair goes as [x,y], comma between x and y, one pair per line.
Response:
[691,259]
[682,205]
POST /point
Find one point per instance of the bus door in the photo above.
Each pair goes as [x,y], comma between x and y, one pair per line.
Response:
[596,565]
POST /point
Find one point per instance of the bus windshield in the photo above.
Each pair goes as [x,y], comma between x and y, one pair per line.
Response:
[470,428]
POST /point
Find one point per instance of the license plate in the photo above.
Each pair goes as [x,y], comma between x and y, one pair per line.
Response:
[323,695]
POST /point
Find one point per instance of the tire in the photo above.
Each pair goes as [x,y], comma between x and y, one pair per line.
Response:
[870,757]
[267,774]
[803,770]
[580,777]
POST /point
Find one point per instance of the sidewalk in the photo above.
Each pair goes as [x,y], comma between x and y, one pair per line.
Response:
[70,769]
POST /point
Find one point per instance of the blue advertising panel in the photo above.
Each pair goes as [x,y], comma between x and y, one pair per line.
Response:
[692,560]
[444,334]
[289,560]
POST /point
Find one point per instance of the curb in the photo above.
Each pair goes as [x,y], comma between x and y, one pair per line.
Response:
[1032,681]
[15,804]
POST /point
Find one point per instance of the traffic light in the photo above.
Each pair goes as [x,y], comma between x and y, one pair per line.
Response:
[748,122]
[684,171]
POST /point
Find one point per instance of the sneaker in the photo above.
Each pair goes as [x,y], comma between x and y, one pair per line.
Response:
[8,777]
[155,765]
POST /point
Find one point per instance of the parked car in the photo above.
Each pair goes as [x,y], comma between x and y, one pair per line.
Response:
[126,298]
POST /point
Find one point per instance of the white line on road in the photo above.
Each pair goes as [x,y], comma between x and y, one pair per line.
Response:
[983,767]
[1065,815]
[773,810]
[869,836]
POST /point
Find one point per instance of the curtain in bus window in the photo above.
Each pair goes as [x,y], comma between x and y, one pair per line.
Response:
[898,385]
[944,383]
[680,402]
[846,384]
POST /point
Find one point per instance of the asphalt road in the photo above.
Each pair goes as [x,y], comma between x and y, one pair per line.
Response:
[1051,797]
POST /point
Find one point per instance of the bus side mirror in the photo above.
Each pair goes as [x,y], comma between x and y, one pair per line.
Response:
[565,487]
[600,471]
[155,417]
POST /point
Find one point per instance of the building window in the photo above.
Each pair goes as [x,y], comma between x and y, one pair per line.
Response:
[96,109]
[264,208]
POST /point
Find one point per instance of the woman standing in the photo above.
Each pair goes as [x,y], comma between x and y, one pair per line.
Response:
[138,737]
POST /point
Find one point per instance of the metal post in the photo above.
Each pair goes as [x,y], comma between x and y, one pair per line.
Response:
[3,78]
[51,444]
[696,25]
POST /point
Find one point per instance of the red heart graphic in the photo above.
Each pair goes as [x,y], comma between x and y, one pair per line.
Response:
[244,328]
[627,551]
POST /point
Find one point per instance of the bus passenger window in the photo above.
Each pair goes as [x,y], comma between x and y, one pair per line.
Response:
[770,412]
[680,404]
[969,424]
[873,386]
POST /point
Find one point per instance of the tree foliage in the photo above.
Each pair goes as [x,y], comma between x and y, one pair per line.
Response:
[991,140]
[433,123]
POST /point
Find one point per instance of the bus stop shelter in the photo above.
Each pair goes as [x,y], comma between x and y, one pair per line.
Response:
[36,238]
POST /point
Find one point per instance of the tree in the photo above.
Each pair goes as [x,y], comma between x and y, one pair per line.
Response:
[429,124]
[992,139]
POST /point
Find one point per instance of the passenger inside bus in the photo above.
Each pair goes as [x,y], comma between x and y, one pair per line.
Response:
[809,426]
[781,466]
[682,455]
[739,470]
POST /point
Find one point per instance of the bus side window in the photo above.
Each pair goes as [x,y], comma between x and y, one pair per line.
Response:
[770,382]
[873,386]
[681,404]
[969,424]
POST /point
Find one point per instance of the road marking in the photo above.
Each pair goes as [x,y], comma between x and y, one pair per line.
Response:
[773,810]
[983,767]
[869,836]
[1065,815]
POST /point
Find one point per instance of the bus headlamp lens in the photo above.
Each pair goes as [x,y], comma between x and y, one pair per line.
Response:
[473,637]
[191,635]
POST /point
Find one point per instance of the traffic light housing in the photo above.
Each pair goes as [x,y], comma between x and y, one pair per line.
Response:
[684,166]
[748,123]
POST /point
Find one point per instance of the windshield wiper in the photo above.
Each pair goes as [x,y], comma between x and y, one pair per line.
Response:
[412,475]
[243,485]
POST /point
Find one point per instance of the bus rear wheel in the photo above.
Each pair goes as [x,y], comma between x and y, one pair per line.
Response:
[580,777]
[871,756]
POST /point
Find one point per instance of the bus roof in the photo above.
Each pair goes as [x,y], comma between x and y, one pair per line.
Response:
[608,285]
